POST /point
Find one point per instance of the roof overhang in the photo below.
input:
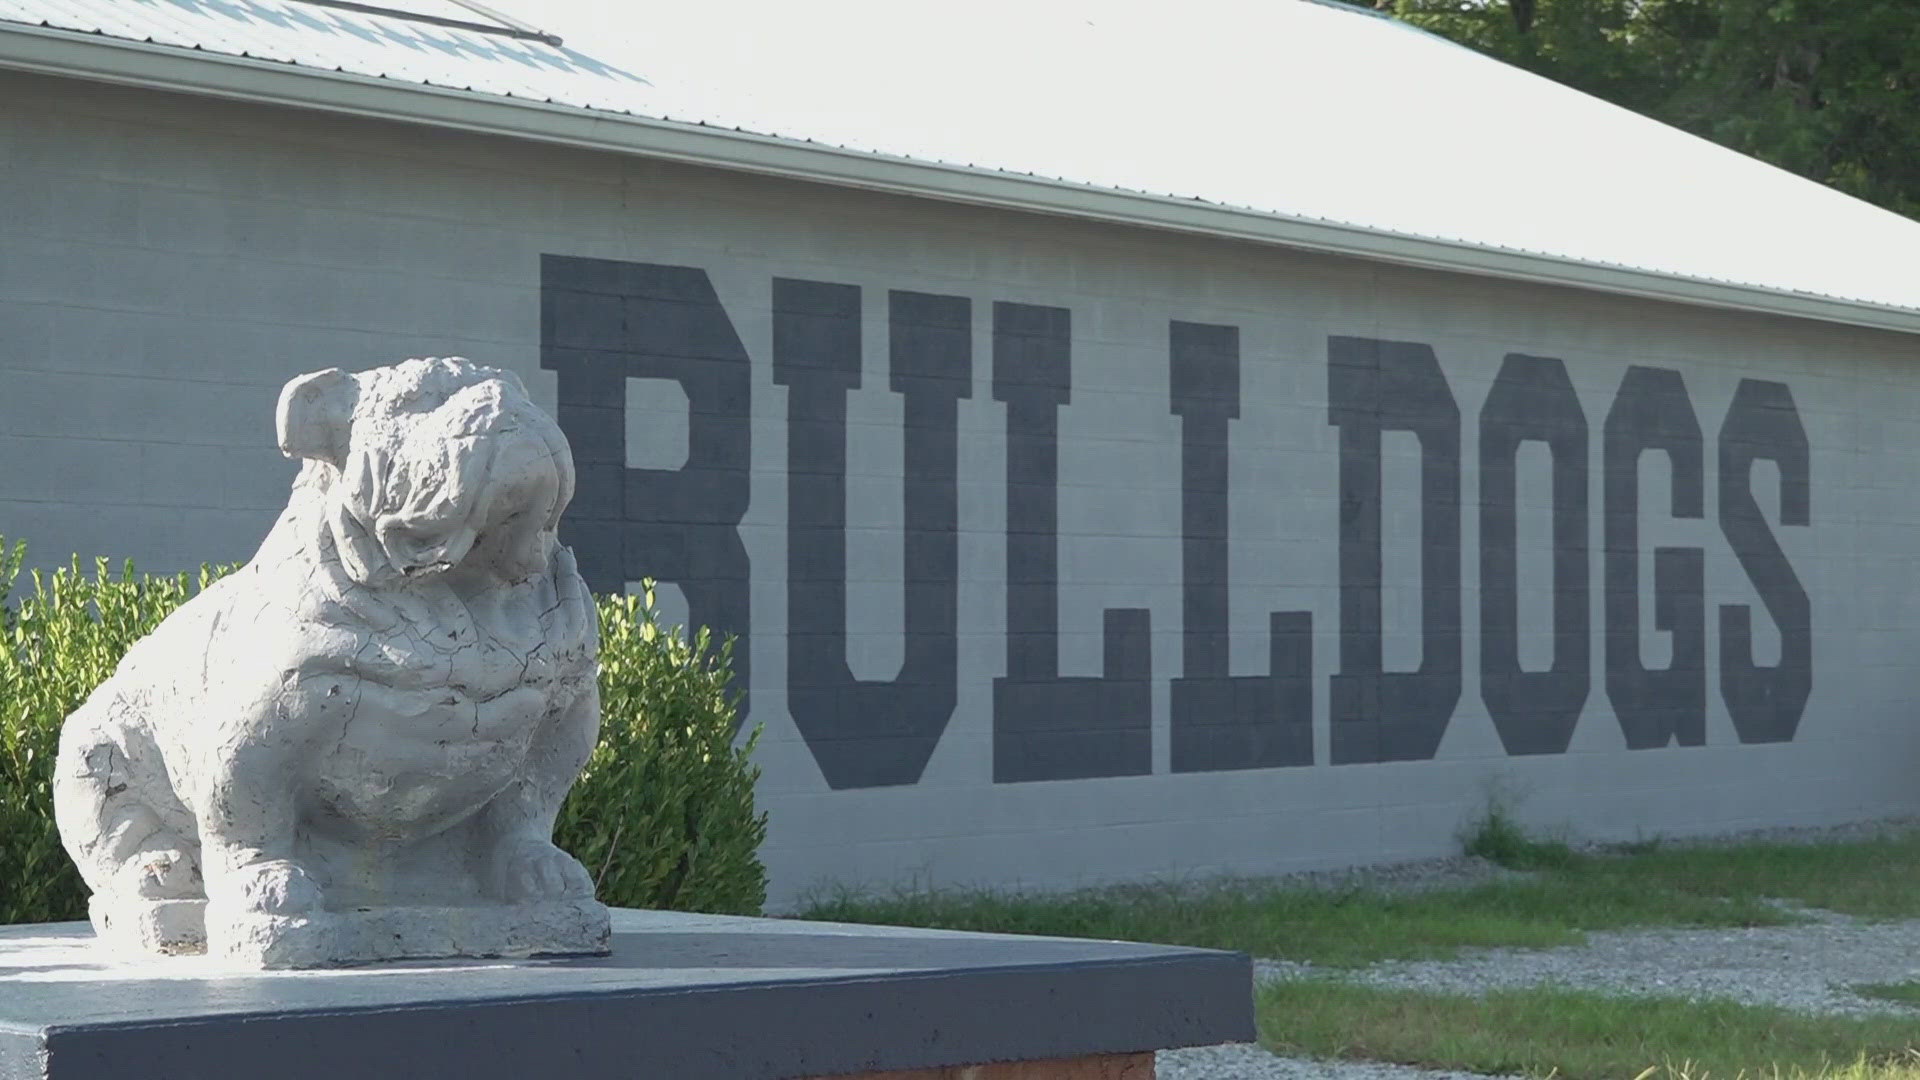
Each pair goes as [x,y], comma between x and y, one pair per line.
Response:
[160,67]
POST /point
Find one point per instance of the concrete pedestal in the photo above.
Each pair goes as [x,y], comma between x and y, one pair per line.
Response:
[345,938]
[682,997]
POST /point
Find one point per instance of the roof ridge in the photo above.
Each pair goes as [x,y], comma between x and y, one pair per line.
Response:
[1351,8]
[1355,9]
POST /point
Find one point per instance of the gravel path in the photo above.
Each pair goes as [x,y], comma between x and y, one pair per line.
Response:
[1807,967]
[1237,1061]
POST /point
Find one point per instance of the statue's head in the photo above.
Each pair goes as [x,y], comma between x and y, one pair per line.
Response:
[428,465]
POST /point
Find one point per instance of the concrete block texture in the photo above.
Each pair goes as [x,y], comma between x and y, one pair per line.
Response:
[1058,553]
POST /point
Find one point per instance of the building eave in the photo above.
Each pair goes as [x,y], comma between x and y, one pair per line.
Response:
[168,68]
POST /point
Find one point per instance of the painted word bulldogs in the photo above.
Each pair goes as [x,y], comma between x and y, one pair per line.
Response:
[608,322]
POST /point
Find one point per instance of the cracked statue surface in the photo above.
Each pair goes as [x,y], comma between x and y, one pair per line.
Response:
[354,748]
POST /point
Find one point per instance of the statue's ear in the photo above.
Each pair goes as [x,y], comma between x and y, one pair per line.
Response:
[508,376]
[315,416]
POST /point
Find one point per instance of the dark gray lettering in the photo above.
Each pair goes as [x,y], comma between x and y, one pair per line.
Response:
[1534,712]
[1765,703]
[870,733]
[1046,727]
[1655,707]
[1375,386]
[603,322]
[1221,721]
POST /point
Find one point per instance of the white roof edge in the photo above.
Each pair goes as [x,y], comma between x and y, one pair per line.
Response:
[162,67]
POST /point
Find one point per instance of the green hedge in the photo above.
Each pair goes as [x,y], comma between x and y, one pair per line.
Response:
[663,816]
[663,813]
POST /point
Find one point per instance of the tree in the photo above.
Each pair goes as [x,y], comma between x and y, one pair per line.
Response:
[1829,89]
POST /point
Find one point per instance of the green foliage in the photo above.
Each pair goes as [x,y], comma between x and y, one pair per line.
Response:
[1501,840]
[663,816]
[60,641]
[1622,50]
[1828,89]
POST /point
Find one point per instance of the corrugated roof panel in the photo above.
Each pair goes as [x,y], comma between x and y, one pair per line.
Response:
[356,42]
[1293,108]
[1287,107]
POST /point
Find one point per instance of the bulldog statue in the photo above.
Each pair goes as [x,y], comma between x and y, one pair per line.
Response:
[354,747]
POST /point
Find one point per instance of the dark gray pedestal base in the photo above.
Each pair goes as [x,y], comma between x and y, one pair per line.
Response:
[682,997]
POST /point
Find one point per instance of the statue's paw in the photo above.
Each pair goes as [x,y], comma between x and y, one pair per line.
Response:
[536,870]
[276,887]
[165,873]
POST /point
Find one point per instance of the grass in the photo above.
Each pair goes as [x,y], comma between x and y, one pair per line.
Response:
[1875,878]
[1559,1033]
[1334,927]
[1572,1035]
[1567,894]
[1499,839]
[1905,993]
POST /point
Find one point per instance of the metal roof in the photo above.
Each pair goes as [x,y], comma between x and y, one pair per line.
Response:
[1289,121]
[417,43]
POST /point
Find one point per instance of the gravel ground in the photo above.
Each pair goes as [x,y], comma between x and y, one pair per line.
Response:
[1456,871]
[1237,1061]
[1807,967]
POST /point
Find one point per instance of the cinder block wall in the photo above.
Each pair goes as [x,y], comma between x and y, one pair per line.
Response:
[1060,553]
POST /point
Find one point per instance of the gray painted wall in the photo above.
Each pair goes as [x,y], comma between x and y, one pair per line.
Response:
[1225,646]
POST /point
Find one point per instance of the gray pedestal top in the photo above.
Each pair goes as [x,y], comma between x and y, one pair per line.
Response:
[682,997]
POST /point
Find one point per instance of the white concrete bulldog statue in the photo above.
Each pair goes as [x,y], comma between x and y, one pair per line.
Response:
[354,747]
